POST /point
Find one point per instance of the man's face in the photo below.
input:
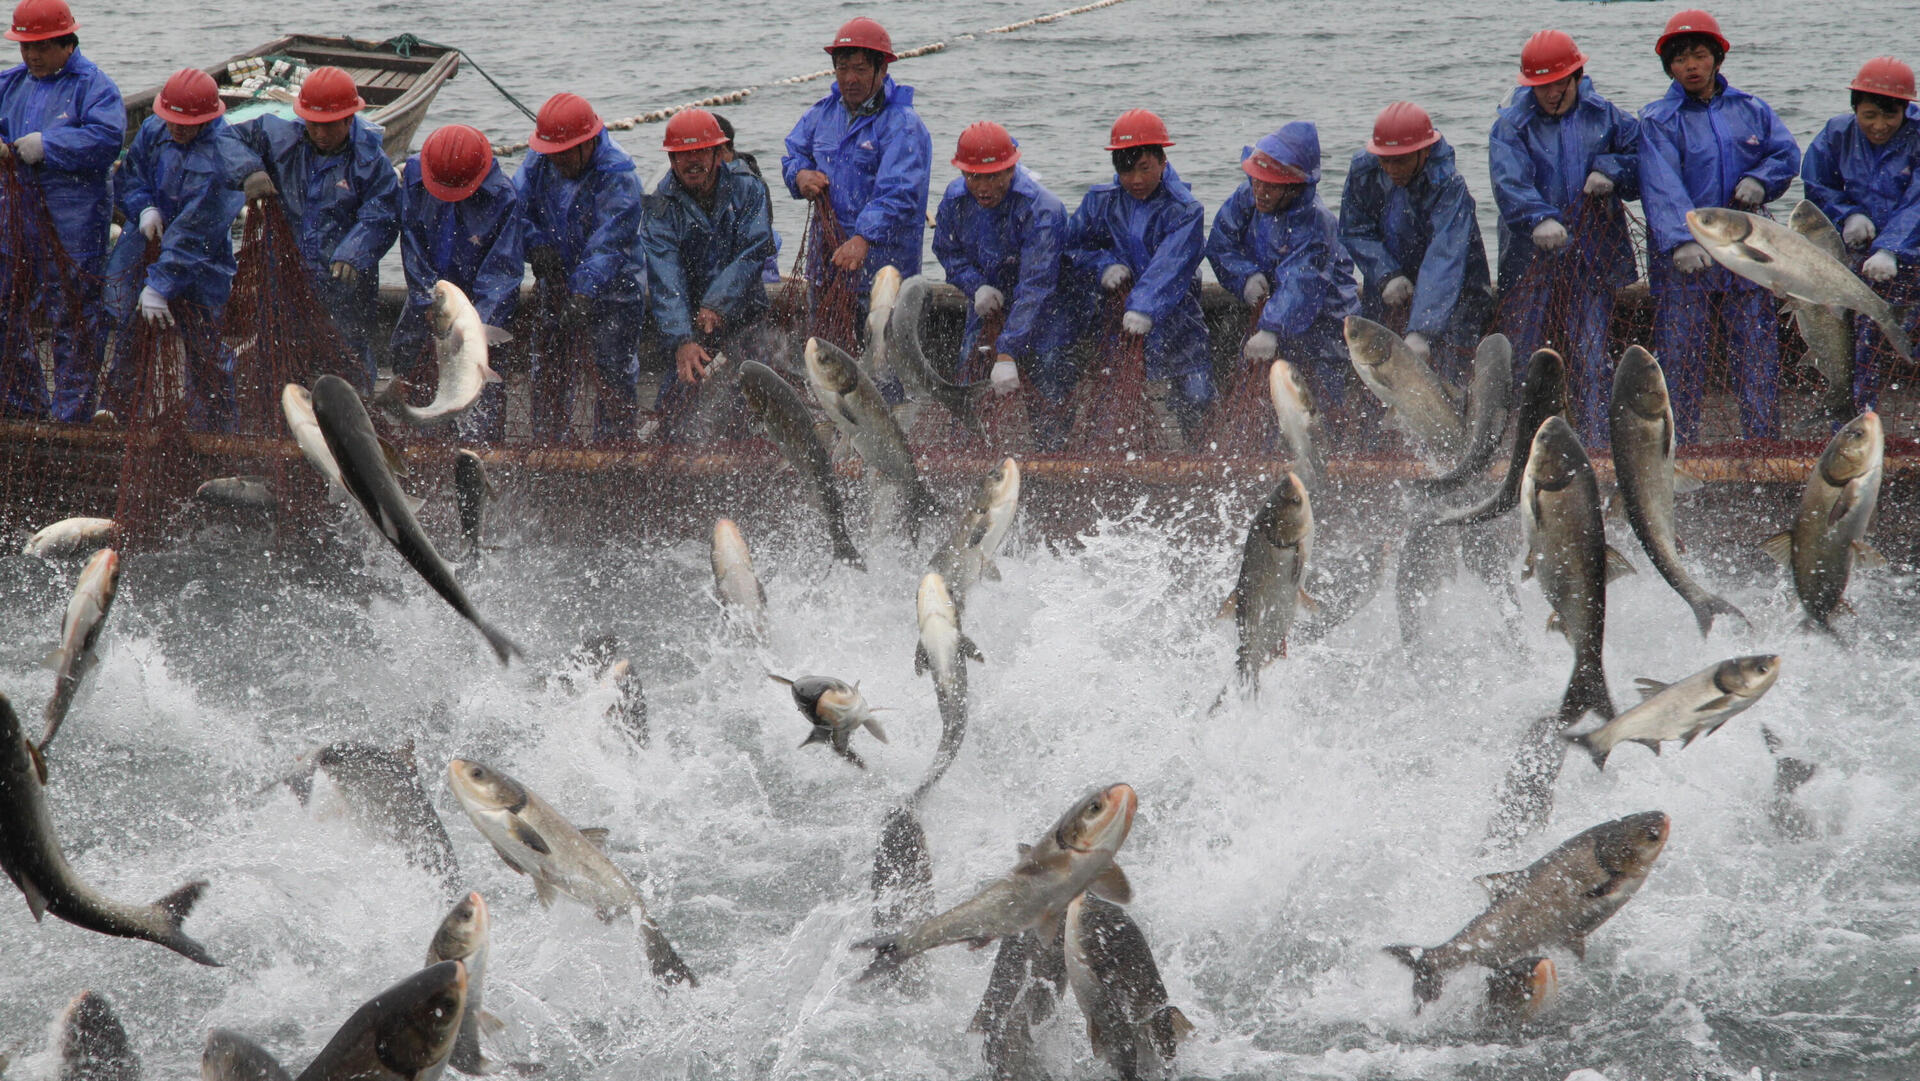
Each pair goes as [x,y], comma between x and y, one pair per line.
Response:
[989,189]
[184,133]
[1271,198]
[1402,168]
[1877,124]
[1694,69]
[1143,179]
[697,170]
[329,136]
[573,161]
[857,76]
[44,58]
[1558,98]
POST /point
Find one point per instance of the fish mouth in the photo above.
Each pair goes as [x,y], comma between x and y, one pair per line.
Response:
[1716,224]
[1117,818]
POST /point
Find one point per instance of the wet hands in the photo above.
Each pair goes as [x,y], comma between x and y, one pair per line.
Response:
[1005,376]
[1256,291]
[344,272]
[1749,192]
[852,255]
[1115,276]
[258,185]
[1598,184]
[690,362]
[150,224]
[812,183]
[1262,346]
[1137,323]
[709,321]
[1549,235]
[29,149]
[1417,342]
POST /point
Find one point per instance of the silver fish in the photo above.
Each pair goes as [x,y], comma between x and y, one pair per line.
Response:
[1835,511]
[404,1033]
[1693,707]
[741,596]
[907,357]
[1543,394]
[1273,567]
[471,490]
[385,799]
[943,650]
[1298,416]
[1521,991]
[836,711]
[881,300]
[902,883]
[854,405]
[296,404]
[1567,551]
[93,1044]
[1029,974]
[533,838]
[1828,333]
[460,342]
[1111,971]
[1407,386]
[71,537]
[966,556]
[237,493]
[1489,399]
[790,426]
[79,633]
[230,1056]
[1557,900]
[464,936]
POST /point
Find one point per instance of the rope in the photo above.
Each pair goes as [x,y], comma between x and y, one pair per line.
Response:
[403,45]
[730,97]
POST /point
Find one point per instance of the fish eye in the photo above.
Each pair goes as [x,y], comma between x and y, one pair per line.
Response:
[476,772]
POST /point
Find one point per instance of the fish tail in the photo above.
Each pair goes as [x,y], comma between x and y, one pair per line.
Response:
[1586,742]
[1427,977]
[667,966]
[174,909]
[921,505]
[886,955]
[845,552]
[1708,606]
[1586,693]
[503,647]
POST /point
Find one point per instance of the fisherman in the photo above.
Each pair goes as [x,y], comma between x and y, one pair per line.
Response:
[580,200]
[708,234]
[1708,144]
[179,185]
[459,221]
[62,123]
[1863,170]
[1408,219]
[1141,235]
[1276,245]
[740,159]
[1000,235]
[1563,159]
[331,173]
[866,150]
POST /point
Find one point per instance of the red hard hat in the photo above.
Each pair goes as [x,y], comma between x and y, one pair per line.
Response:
[38,20]
[453,162]
[692,129]
[1261,166]
[1885,76]
[1401,128]
[864,33]
[189,97]
[565,121]
[1691,21]
[1549,57]
[985,147]
[1138,127]
[328,95]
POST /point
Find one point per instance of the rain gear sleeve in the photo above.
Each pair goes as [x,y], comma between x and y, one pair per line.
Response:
[196,189]
[880,167]
[82,126]
[1847,175]
[1298,249]
[1425,231]
[1161,240]
[593,221]
[1693,154]
[1539,165]
[344,206]
[1017,248]
[701,258]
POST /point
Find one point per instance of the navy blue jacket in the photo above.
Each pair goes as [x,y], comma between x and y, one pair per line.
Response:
[593,221]
[1846,175]
[1308,270]
[344,206]
[880,167]
[474,243]
[1539,165]
[1161,239]
[1017,248]
[1693,154]
[698,258]
[196,188]
[82,126]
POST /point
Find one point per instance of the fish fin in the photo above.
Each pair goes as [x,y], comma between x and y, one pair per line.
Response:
[1178,1027]
[529,836]
[1649,687]
[1866,555]
[1651,745]
[1112,884]
[490,1024]
[596,836]
[336,492]
[1748,251]
[1023,848]
[396,461]
[544,891]
[968,649]
[488,375]
[1711,606]
[1097,1037]
[39,756]
[413,504]
[177,905]
[1712,704]
[1427,977]
[1586,742]
[820,734]
[886,955]
[921,662]
[1307,602]
[1618,566]
[1684,482]
[1501,884]
[667,966]
[1230,607]
[989,571]
[1841,505]
[1578,943]
[51,659]
[782,680]
[36,901]
[1780,547]
[874,727]
[508,860]
[388,529]
[1555,623]
[503,647]
[494,335]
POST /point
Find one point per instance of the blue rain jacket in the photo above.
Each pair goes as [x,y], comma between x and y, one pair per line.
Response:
[1161,239]
[474,243]
[1846,175]
[1425,231]
[1298,249]
[880,167]
[1694,154]
[82,125]
[699,259]
[1540,164]
[344,206]
[1016,247]
[593,221]
[196,188]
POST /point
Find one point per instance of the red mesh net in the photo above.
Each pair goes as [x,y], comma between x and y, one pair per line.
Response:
[819,299]
[1242,423]
[279,323]
[1112,414]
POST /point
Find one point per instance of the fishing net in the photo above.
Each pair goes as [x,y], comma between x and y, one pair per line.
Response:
[819,299]
[1241,423]
[1112,414]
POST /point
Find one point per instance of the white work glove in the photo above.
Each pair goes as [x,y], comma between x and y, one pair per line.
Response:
[1691,258]
[258,185]
[29,148]
[150,223]
[154,309]
[1005,377]
[343,271]
[1858,231]
[1256,290]
[1418,343]
[1749,192]
[1881,266]
[1598,183]
[987,300]
[1262,346]
[1549,235]
[1397,291]
[1114,277]
[1136,323]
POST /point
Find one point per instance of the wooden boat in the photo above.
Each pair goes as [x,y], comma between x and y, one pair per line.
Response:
[398,89]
